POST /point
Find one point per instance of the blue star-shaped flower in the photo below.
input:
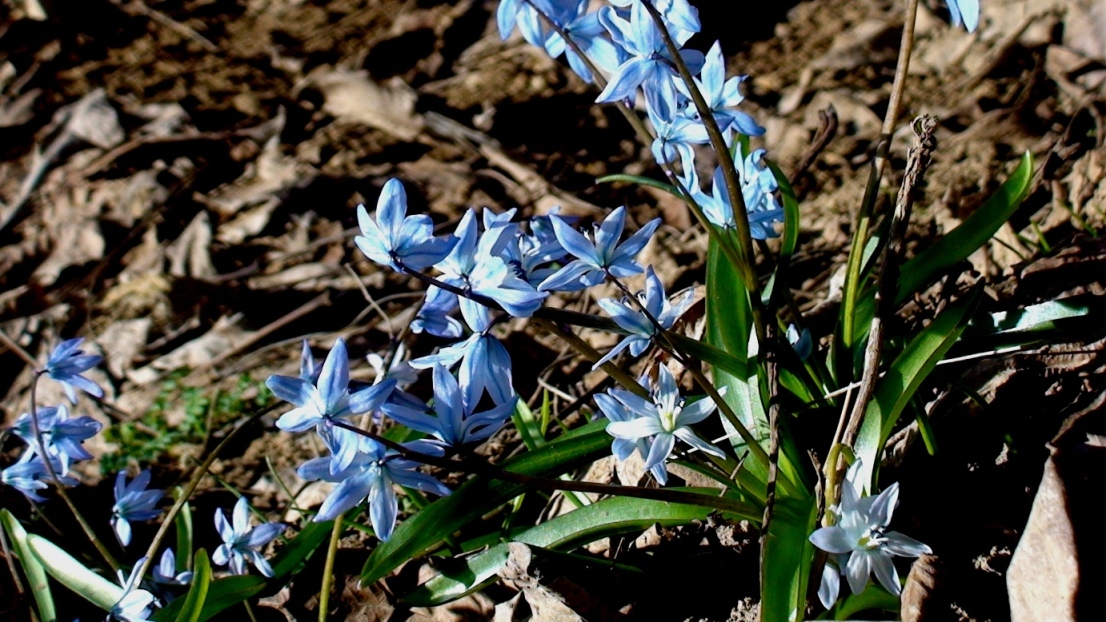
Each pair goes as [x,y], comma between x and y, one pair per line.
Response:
[133,502]
[329,397]
[66,364]
[650,65]
[242,543]
[136,605]
[27,475]
[722,95]
[166,570]
[597,257]
[485,366]
[472,266]
[455,424]
[629,317]
[394,237]
[662,420]
[860,542]
[61,434]
[370,476]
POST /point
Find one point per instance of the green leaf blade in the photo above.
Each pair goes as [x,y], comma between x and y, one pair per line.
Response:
[955,246]
[609,517]
[32,568]
[73,574]
[907,372]
[197,592]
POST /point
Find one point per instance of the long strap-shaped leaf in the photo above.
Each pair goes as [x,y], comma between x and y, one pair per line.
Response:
[962,241]
[609,517]
[197,593]
[904,377]
[73,574]
[32,568]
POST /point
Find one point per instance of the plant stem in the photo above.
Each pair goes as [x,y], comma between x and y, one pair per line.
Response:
[41,447]
[328,568]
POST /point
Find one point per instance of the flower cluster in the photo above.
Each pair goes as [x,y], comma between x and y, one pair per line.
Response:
[362,467]
[62,435]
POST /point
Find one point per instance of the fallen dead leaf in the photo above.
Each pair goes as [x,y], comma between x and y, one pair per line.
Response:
[352,96]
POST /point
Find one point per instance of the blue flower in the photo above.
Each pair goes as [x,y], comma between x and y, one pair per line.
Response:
[242,543]
[722,95]
[485,366]
[587,32]
[67,363]
[28,473]
[649,64]
[662,420]
[133,502]
[166,570]
[455,424]
[395,238]
[61,435]
[434,315]
[675,135]
[329,398]
[521,12]
[622,448]
[801,341]
[861,542]
[370,476]
[597,257]
[641,328]
[966,12]
[757,187]
[529,255]
[472,267]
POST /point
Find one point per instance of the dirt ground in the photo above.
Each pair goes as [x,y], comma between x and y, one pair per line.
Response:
[178,182]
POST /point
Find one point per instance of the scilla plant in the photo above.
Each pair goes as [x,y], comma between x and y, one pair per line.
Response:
[754,372]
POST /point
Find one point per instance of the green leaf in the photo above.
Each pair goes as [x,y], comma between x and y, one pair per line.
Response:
[729,318]
[788,555]
[183,525]
[610,517]
[955,246]
[221,594]
[32,568]
[528,426]
[872,598]
[644,181]
[73,574]
[909,369]
[790,238]
[481,495]
[1039,318]
[197,592]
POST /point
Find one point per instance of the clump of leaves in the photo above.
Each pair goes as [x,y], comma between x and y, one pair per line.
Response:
[151,437]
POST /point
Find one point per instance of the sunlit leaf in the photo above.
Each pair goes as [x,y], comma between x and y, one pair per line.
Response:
[32,568]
